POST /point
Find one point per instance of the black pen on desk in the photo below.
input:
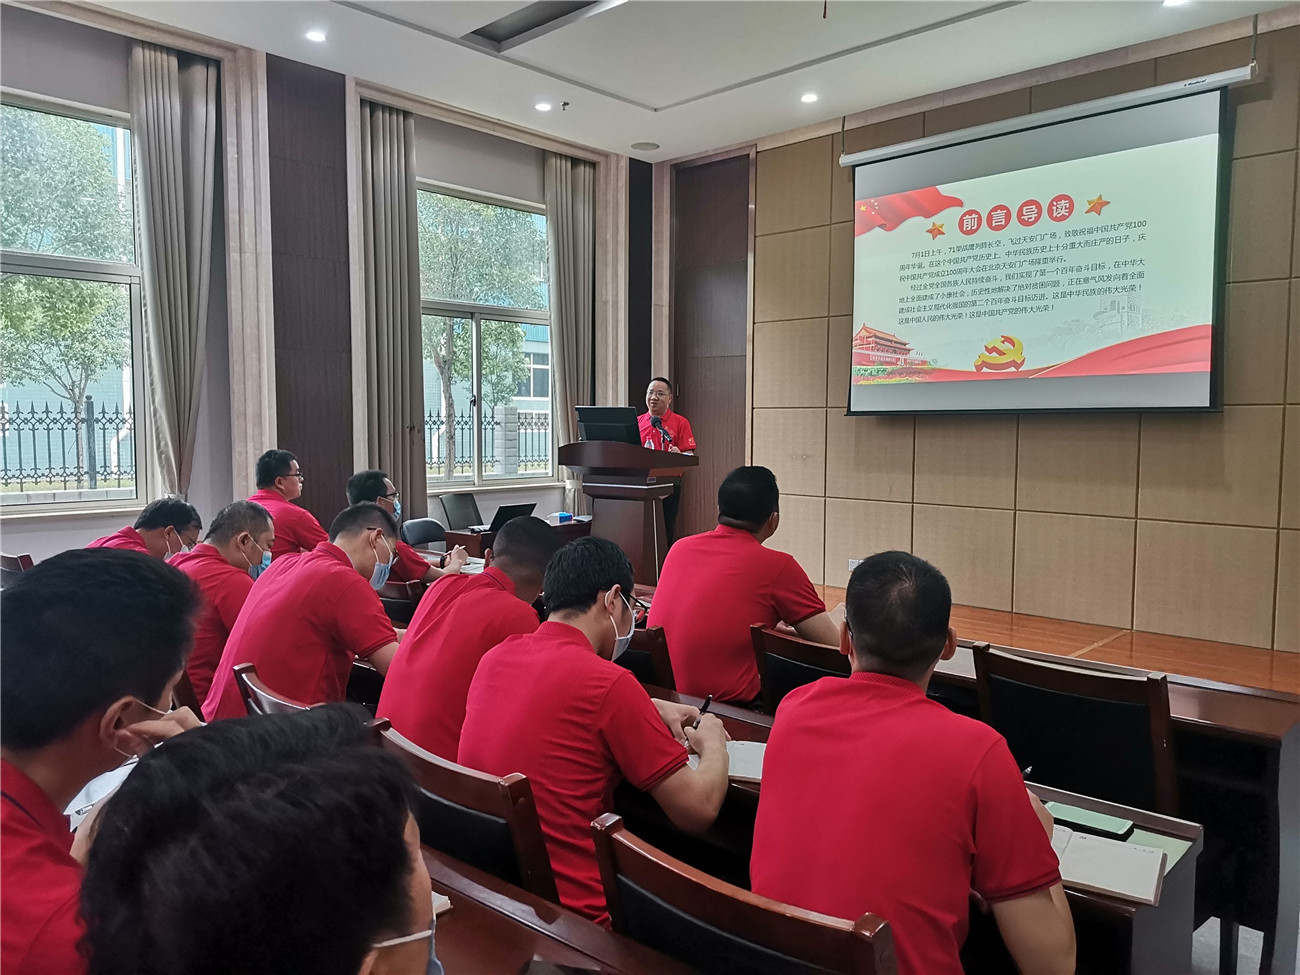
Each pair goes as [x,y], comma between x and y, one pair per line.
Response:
[1024,772]
[704,709]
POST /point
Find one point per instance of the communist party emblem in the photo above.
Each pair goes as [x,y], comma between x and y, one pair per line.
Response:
[1009,353]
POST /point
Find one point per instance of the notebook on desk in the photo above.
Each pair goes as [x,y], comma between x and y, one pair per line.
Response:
[1109,867]
[745,761]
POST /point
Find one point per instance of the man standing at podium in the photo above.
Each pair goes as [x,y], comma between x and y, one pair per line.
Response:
[662,429]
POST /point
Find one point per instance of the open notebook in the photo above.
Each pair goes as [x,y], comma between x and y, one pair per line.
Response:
[1111,867]
[746,760]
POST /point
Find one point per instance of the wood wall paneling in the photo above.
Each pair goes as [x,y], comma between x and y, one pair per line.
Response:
[306,131]
[640,265]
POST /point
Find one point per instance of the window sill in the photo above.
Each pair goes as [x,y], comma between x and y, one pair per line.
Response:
[13,513]
[520,485]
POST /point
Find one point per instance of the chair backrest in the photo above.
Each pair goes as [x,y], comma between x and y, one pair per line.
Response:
[183,695]
[1098,734]
[787,662]
[461,510]
[716,927]
[400,599]
[11,566]
[488,822]
[260,699]
[647,657]
[422,531]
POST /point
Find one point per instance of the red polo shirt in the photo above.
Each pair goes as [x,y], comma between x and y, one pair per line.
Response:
[712,588]
[458,620]
[305,620]
[678,427]
[410,565]
[224,587]
[546,705]
[927,806]
[296,529]
[127,538]
[40,883]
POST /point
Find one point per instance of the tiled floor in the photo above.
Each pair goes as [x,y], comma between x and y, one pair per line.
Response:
[1226,662]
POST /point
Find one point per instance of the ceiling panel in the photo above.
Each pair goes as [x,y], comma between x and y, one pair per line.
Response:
[456,18]
[660,52]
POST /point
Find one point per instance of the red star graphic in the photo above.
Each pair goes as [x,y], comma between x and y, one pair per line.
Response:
[1095,205]
[935,231]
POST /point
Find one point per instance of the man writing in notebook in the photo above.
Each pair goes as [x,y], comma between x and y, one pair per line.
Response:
[923,806]
[715,585]
[457,622]
[555,707]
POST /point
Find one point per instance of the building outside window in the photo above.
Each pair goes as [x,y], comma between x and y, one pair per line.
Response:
[70,309]
[486,338]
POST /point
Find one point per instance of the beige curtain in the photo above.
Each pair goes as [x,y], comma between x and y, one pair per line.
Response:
[174,110]
[570,187]
[394,368]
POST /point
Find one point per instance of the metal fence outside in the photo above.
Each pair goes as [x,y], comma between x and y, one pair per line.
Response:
[45,448]
[515,442]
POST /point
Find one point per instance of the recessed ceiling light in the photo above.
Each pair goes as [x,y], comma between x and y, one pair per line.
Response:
[645,146]
[543,106]
[1174,3]
[316,35]
[808,97]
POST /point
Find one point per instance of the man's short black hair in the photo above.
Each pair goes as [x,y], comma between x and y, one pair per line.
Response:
[362,517]
[747,497]
[236,518]
[83,629]
[169,513]
[272,464]
[526,545]
[662,379]
[897,608]
[295,824]
[366,486]
[580,571]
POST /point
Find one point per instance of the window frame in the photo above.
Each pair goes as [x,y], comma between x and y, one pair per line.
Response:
[91,269]
[476,313]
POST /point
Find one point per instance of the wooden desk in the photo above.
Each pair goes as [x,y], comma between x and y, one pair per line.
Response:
[494,926]
[1238,755]
[476,543]
[1115,937]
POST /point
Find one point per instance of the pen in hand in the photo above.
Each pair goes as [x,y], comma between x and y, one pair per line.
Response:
[703,709]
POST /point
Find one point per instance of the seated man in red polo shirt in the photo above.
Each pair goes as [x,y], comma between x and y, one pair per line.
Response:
[224,565]
[311,615]
[554,706]
[457,622]
[91,647]
[411,566]
[165,527]
[921,805]
[279,484]
[715,585]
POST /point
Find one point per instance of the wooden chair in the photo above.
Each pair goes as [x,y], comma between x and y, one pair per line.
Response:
[183,695]
[488,822]
[1098,734]
[681,911]
[400,599]
[260,699]
[786,662]
[424,531]
[647,657]
[11,566]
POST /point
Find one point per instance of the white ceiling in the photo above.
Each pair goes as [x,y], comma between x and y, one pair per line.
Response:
[691,75]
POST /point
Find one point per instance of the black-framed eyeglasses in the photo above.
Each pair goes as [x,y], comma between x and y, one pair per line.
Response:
[395,494]
[298,473]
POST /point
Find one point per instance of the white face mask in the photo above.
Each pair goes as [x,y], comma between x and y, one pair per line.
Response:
[621,642]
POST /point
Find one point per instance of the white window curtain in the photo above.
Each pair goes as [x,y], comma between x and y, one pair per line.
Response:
[391,251]
[570,189]
[174,106]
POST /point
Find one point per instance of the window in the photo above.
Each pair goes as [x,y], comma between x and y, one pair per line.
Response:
[70,310]
[486,340]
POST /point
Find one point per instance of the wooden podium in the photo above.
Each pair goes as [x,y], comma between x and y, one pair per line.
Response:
[627,484]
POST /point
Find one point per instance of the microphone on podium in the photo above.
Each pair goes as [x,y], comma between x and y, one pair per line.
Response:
[658,424]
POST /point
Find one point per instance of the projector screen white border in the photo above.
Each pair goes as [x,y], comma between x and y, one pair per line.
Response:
[1142,402]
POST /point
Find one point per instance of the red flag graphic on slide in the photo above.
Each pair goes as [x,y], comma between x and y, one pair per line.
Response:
[887,212]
